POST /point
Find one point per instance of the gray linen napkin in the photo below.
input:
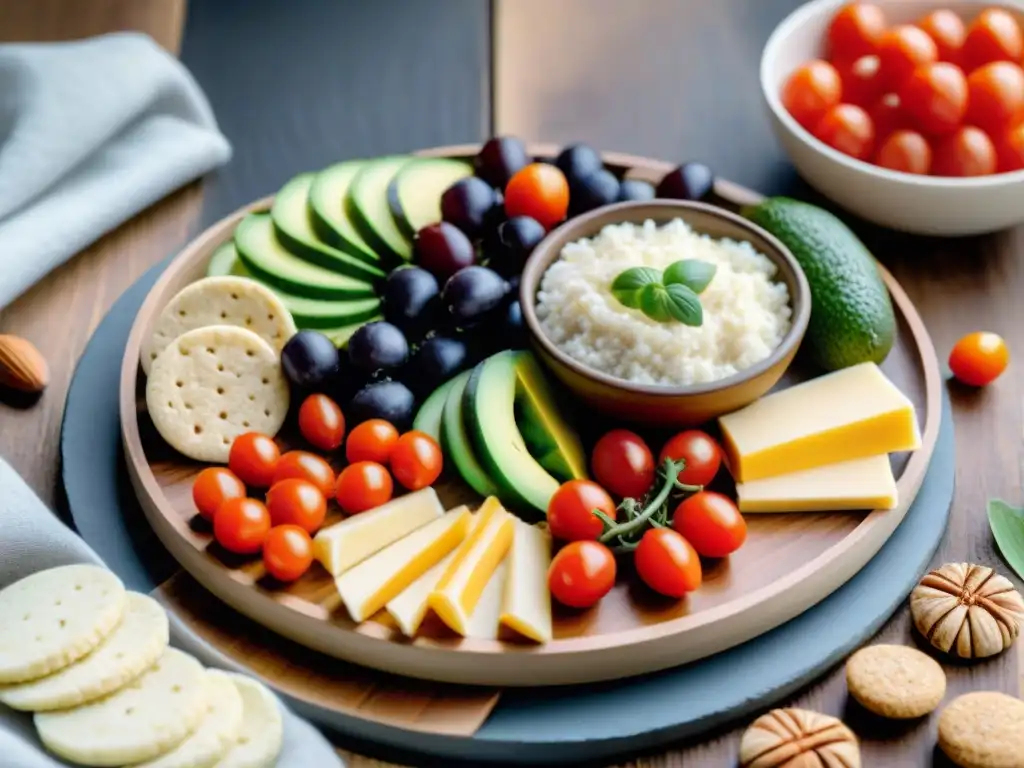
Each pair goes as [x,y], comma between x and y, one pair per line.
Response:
[91,133]
[31,539]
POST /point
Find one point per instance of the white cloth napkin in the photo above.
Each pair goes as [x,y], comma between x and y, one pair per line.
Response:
[91,133]
[31,539]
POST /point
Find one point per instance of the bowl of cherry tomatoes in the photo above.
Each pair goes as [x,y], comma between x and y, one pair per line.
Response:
[907,113]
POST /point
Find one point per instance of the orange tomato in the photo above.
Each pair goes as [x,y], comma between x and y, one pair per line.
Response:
[212,487]
[993,36]
[540,191]
[947,29]
[362,486]
[862,81]
[667,563]
[996,96]
[581,574]
[935,97]
[1010,150]
[305,466]
[371,441]
[888,115]
[906,151]
[287,552]
[296,502]
[241,525]
[848,129]
[321,422]
[811,91]
[968,151]
[979,358]
[253,457]
[416,460]
[855,31]
[902,50]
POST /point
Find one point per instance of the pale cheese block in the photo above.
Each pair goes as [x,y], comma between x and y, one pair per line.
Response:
[137,641]
[848,414]
[222,300]
[53,618]
[343,545]
[367,587]
[484,622]
[457,593]
[258,743]
[865,483]
[212,385]
[410,607]
[147,717]
[526,603]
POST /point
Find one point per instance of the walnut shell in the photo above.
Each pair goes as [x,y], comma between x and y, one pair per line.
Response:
[798,738]
[967,610]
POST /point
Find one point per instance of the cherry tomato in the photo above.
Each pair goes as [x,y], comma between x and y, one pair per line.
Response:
[993,36]
[321,422]
[1010,150]
[667,563]
[848,129]
[855,31]
[306,466]
[581,574]
[212,487]
[540,191]
[888,116]
[253,458]
[902,50]
[297,502]
[571,510]
[979,358]
[416,460]
[947,29]
[241,525]
[622,464]
[862,82]
[701,453]
[287,552]
[811,91]
[996,97]
[935,97]
[711,523]
[966,152]
[371,441]
[906,151]
[362,486]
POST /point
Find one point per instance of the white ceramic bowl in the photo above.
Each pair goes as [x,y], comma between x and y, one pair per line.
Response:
[926,205]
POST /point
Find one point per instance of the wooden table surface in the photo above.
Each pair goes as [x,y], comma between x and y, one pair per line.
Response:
[667,78]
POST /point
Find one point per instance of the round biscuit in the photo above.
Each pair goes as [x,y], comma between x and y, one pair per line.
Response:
[895,681]
[259,741]
[983,729]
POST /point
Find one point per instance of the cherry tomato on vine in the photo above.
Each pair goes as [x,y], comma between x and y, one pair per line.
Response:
[855,31]
[863,84]
[702,455]
[993,36]
[622,464]
[241,525]
[362,486]
[906,151]
[935,97]
[253,458]
[812,90]
[581,574]
[212,487]
[903,49]
[947,30]
[371,441]
[297,502]
[306,466]
[711,522]
[996,97]
[979,358]
[539,191]
[1010,150]
[416,460]
[968,151]
[667,563]
[848,129]
[571,510]
[321,422]
[287,552]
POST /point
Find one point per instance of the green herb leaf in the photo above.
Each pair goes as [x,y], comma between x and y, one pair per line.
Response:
[693,273]
[1007,524]
[628,285]
[684,305]
[654,302]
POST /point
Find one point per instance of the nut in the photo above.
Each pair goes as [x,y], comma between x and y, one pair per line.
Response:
[798,738]
[22,367]
[967,610]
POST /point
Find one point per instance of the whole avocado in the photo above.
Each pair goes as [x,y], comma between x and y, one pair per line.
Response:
[852,319]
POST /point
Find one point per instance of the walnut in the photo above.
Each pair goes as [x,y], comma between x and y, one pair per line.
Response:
[967,610]
[798,738]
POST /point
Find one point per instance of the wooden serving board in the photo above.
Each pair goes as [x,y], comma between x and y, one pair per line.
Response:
[789,562]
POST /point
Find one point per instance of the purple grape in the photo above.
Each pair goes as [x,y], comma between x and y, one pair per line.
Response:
[690,181]
[516,239]
[634,189]
[442,249]
[469,204]
[471,293]
[577,162]
[310,361]
[499,159]
[410,300]
[599,188]
[378,346]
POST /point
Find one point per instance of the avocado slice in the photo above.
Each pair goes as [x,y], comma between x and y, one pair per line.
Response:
[327,213]
[428,417]
[290,214]
[455,439]
[414,194]
[225,262]
[270,262]
[367,207]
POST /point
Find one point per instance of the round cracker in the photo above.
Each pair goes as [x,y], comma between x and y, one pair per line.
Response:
[224,300]
[259,741]
[142,720]
[212,385]
[54,617]
[135,644]
[217,732]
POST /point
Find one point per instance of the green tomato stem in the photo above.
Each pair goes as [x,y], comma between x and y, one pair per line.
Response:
[672,470]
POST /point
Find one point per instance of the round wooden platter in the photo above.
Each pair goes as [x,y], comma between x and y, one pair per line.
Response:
[789,562]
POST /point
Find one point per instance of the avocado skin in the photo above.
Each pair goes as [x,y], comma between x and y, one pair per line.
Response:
[852,319]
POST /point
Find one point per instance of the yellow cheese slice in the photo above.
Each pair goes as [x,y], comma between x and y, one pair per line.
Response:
[856,484]
[848,414]
[367,587]
[526,604]
[345,544]
[457,593]
[483,623]
[410,607]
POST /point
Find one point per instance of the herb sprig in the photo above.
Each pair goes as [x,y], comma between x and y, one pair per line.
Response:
[669,295]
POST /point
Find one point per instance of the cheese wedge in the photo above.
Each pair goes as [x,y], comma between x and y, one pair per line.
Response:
[345,544]
[457,593]
[526,604]
[484,622]
[848,414]
[856,484]
[410,607]
[367,587]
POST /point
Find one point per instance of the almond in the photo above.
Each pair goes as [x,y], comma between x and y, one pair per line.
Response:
[22,367]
